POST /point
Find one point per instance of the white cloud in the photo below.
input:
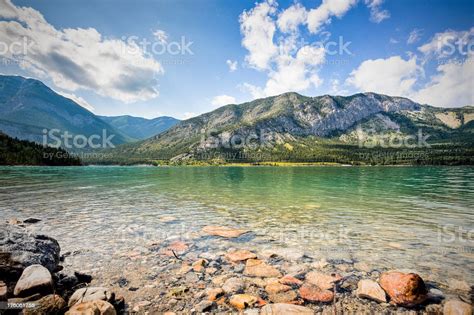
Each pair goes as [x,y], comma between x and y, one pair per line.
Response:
[377,15]
[221,100]
[291,18]
[452,86]
[161,36]
[258,28]
[79,100]
[232,65]
[449,43]
[392,76]
[393,41]
[78,58]
[328,8]
[188,115]
[414,36]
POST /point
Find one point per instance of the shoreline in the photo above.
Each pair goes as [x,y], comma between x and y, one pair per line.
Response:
[178,276]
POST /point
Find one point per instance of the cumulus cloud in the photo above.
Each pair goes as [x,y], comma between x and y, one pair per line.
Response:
[328,8]
[290,19]
[78,58]
[392,76]
[377,14]
[232,65]
[449,43]
[258,28]
[452,86]
[414,36]
[221,100]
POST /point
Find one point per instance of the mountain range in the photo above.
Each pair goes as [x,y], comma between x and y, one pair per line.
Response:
[28,107]
[293,127]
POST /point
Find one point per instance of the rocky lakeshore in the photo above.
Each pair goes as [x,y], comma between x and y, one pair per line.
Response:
[177,276]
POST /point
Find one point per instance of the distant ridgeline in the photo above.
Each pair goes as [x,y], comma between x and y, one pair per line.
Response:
[365,128]
[23,152]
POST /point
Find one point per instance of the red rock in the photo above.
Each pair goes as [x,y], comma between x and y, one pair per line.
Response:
[289,280]
[223,231]
[322,280]
[313,293]
[240,255]
[198,265]
[406,289]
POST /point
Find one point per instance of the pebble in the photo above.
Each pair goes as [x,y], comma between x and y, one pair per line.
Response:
[242,301]
[456,307]
[370,289]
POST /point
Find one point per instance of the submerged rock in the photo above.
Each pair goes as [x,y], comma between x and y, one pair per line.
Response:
[313,293]
[223,231]
[34,279]
[258,268]
[233,285]
[322,280]
[240,255]
[405,289]
[97,307]
[285,309]
[20,249]
[370,289]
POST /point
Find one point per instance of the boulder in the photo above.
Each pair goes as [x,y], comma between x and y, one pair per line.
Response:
[89,294]
[242,301]
[405,289]
[20,249]
[257,268]
[456,307]
[223,231]
[240,255]
[50,304]
[322,280]
[3,291]
[34,279]
[370,289]
[97,307]
[313,293]
[285,309]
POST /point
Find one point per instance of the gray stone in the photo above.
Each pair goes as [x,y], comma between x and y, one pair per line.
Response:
[91,294]
[20,249]
[233,285]
[34,279]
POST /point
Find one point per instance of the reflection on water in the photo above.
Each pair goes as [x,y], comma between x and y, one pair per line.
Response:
[394,217]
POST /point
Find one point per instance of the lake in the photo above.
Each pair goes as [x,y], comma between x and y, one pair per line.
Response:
[416,218]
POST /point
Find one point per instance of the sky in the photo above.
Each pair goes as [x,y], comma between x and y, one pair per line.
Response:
[184,58]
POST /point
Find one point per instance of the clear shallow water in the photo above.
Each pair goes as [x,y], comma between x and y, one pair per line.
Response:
[419,218]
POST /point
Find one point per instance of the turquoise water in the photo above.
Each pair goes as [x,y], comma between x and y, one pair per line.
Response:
[419,218]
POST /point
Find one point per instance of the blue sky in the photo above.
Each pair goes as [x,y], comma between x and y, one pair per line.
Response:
[239,50]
